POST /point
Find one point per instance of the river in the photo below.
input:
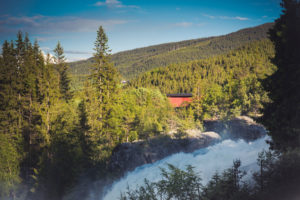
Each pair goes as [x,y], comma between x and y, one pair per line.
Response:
[206,162]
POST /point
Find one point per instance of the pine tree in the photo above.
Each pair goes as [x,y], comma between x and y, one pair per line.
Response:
[100,97]
[9,167]
[21,65]
[10,134]
[62,67]
[104,74]
[9,117]
[281,115]
[50,97]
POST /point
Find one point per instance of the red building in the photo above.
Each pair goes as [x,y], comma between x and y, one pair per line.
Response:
[179,100]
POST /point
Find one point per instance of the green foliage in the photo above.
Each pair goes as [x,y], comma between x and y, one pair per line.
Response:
[186,184]
[279,175]
[62,67]
[222,86]
[185,120]
[9,166]
[175,184]
[266,161]
[36,124]
[22,99]
[65,157]
[135,62]
[50,136]
[144,113]
[100,95]
[229,185]
[281,114]
[278,178]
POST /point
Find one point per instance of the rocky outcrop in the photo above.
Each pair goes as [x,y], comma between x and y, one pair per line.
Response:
[128,156]
[238,128]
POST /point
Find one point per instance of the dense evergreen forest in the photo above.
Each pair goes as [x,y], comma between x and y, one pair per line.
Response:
[47,129]
[52,134]
[222,85]
[134,62]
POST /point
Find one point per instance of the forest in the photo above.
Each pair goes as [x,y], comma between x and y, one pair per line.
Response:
[134,62]
[223,85]
[58,126]
[47,129]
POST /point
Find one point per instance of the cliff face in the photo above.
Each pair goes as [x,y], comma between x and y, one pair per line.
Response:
[128,156]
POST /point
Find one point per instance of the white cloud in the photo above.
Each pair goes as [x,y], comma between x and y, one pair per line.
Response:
[47,49]
[184,24]
[234,18]
[114,4]
[51,57]
[45,24]
[78,52]
[187,24]
[76,59]
[226,17]
[241,18]
[71,56]
[45,38]
[11,20]
[209,16]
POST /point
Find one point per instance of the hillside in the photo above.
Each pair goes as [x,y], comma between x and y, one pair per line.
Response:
[249,60]
[134,62]
[222,85]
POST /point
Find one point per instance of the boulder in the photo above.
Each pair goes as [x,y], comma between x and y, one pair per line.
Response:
[238,128]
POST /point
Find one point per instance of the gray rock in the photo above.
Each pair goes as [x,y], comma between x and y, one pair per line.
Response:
[238,128]
[127,156]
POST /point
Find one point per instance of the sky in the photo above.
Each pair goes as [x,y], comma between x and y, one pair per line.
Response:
[128,24]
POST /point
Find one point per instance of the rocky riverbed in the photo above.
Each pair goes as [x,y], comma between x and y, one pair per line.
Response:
[127,156]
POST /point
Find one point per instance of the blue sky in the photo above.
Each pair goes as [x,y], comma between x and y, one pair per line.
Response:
[128,23]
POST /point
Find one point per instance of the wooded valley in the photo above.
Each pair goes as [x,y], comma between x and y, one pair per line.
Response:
[60,122]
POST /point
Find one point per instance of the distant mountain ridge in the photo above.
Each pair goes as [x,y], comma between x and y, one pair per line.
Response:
[131,63]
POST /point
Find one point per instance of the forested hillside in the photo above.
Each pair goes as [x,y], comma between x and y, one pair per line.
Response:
[134,62]
[47,129]
[228,82]
[278,176]
[61,123]
[52,135]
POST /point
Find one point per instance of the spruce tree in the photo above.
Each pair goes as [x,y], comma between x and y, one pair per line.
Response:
[10,134]
[62,67]
[104,74]
[19,108]
[281,115]
[100,97]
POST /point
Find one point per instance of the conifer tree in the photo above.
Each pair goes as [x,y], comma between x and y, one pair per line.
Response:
[281,115]
[9,167]
[100,97]
[62,67]
[104,75]
[21,65]
[10,134]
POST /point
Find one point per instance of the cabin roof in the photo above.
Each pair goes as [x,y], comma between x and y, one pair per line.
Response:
[180,95]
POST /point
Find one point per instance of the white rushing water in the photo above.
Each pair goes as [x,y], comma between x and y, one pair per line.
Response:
[206,162]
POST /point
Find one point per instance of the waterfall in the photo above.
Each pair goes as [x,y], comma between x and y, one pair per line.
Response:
[206,162]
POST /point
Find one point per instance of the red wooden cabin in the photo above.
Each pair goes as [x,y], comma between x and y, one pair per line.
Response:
[179,100]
